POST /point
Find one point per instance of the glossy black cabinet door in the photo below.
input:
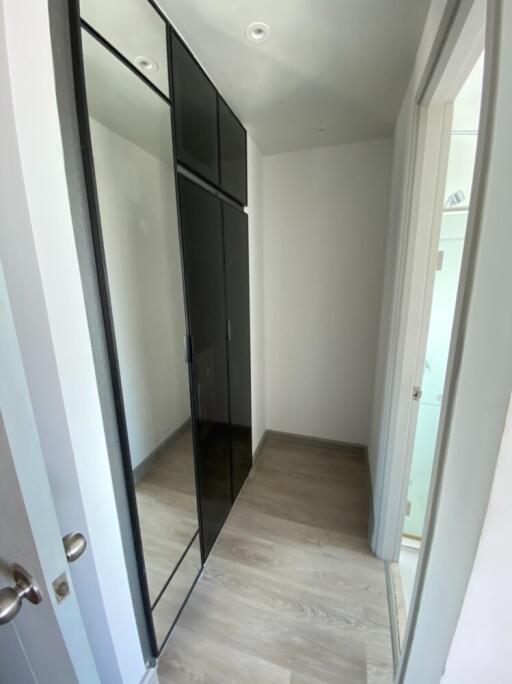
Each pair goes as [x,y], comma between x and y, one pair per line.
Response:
[233,154]
[195,103]
[202,240]
[236,249]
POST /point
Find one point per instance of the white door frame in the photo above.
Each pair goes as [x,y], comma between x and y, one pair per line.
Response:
[433,131]
[42,273]
[446,71]
[31,537]
[479,372]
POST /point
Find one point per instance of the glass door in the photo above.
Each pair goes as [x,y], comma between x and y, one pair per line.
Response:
[203,253]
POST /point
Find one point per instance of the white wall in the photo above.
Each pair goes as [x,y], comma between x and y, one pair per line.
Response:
[480,651]
[256,273]
[325,221]
[325,217]
[140,232]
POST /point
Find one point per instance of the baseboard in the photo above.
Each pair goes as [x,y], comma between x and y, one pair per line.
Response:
[259,448]
[316,442]
[371,508]
[393,616]
[146,465]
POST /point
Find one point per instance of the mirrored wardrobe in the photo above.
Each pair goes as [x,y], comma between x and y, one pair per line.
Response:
[172,263]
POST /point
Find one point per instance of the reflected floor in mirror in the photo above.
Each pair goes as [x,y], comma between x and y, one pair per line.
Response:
[291,593]
[166,502]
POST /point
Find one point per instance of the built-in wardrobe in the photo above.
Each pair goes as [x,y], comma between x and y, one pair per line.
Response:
[165,170]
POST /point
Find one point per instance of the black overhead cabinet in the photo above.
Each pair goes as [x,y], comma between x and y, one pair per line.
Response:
[195,112]
[233,154]
[210,140]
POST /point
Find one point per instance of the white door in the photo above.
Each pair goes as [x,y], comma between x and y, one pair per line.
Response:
[44,643]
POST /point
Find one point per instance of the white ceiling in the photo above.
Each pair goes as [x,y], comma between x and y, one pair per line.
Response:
[341,65]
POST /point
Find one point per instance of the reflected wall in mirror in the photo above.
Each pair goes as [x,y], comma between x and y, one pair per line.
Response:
[130,127]
[134,29]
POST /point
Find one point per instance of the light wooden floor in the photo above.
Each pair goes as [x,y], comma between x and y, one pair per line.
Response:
[291,593]
[166,504]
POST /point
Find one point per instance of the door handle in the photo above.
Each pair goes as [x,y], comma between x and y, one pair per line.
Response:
[74,545]
[11,598]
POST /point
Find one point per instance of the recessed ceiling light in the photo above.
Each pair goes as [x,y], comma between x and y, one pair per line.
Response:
[145,63]
[258,32]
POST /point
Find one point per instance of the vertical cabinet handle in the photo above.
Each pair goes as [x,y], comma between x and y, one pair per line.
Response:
[229,329]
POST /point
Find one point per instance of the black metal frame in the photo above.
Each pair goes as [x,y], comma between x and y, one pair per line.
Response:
[119,55]
[106,305]
[217,186]
[76,25]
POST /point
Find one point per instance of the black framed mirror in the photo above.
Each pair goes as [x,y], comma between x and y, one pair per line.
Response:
[127,122]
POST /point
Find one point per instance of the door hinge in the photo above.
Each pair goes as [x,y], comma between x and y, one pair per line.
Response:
[416,393]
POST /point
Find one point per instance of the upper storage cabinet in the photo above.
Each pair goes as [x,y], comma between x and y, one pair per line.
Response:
[136,31]
[233,154]
[195,111]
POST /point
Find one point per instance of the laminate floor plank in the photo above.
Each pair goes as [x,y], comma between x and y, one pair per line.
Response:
[291,593]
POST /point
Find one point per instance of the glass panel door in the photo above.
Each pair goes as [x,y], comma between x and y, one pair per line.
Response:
[201,226]
[239,341]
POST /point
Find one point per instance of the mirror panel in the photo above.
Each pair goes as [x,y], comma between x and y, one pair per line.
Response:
[131,140]
[136,30]
[171,600]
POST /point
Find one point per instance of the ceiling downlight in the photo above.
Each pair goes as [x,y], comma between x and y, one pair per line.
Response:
[257,32]
[145,63]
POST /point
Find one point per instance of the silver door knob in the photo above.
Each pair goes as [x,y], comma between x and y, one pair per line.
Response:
[74,545]
[11,598]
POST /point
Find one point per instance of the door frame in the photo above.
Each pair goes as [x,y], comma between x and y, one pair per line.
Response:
[40,253]
[33,531]
[459,42]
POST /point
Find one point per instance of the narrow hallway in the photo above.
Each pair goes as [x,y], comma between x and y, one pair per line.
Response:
[291,593]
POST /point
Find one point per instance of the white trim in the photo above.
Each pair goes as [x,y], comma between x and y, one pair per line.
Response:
[45,287]
[464,30]
[480,365]
[150,676]
[424,226]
